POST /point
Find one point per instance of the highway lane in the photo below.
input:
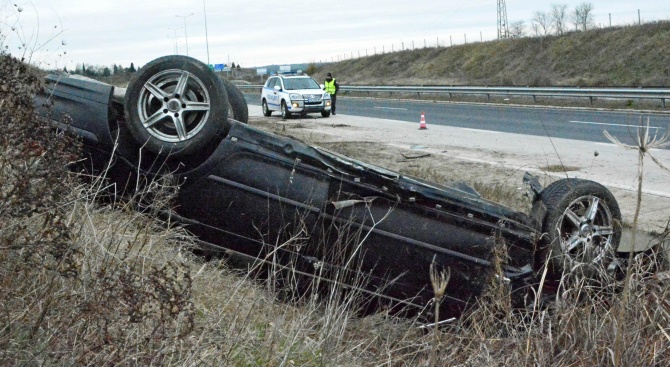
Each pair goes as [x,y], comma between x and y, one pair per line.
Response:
[568,123]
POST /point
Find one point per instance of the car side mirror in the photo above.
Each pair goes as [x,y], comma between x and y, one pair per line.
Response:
[322,86]
[277,88]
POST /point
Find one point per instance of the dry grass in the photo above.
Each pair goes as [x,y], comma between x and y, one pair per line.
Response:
[141,297]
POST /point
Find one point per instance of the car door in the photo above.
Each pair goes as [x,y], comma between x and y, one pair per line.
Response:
[255,196]
[271,94]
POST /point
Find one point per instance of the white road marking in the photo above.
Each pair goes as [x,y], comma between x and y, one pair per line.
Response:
[391,108]
[481,130]
[610,124]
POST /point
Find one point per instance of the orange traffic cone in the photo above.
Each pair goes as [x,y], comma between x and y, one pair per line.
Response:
[423,126]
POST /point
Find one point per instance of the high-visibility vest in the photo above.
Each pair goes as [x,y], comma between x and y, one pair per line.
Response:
[330,86]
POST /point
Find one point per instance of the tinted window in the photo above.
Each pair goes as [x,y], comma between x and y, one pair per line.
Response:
[301,83]
[271,83]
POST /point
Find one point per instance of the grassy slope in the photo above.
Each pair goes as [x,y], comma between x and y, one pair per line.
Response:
[627,56]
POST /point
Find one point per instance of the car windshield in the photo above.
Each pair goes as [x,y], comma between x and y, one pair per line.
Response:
[300,83]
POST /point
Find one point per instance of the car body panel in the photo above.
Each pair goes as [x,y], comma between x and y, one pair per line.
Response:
[85,101]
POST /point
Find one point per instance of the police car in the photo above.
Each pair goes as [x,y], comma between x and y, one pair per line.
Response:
[294,93]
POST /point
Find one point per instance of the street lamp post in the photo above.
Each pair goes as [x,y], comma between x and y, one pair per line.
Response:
[185,34]
[204,8]
[176,48]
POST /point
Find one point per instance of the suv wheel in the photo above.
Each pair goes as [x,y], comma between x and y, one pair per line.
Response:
[284,111]
[266,110]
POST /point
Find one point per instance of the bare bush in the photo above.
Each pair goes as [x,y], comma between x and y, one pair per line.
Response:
[69,295]
[541,23]
[582,16]
[559,18]
[517,29]
[33,166]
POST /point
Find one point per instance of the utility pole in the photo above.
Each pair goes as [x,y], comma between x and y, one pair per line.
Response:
[503,30]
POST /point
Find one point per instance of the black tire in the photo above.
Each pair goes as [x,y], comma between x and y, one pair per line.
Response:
[284,111]
[172,122]
[266,111]
[325,113]
[237,105]
[581,229]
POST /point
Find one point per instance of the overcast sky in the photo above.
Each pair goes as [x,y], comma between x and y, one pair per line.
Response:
[260,32]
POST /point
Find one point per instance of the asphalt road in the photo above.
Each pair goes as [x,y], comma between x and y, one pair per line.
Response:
[567,123]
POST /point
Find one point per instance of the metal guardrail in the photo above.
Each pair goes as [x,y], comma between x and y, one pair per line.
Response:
[534,92]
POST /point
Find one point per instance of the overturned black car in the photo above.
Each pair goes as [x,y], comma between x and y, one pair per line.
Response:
[262,196]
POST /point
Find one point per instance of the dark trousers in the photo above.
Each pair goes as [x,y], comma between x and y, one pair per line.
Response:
[333,99]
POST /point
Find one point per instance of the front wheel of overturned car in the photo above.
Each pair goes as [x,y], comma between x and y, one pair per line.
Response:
[175,105]
[581,228]
[284,111]
[237,105]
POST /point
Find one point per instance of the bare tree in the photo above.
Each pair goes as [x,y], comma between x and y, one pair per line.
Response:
[582,16]
[541,23]
[559,15]
[517,29]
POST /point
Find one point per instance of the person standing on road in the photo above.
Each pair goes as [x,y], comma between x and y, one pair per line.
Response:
[331,86]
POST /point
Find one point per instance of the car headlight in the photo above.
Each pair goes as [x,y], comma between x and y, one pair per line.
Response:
[326,95]
[295,96]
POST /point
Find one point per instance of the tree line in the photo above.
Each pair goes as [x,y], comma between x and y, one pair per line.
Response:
[557,20]
[101,71]
[96,71]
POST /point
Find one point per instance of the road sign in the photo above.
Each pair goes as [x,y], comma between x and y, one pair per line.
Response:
[219,67]
[262,71]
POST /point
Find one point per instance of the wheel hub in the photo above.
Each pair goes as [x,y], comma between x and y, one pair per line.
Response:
[586,231]
[174,105]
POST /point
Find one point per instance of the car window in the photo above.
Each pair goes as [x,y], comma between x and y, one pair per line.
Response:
[300,83]
[271,83]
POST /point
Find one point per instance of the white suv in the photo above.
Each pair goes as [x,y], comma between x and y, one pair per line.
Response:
[294,94]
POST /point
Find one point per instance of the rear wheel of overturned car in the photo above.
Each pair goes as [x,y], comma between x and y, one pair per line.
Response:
[266,110]
[237,105]
[175,105]
[284,111]
[582,228]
